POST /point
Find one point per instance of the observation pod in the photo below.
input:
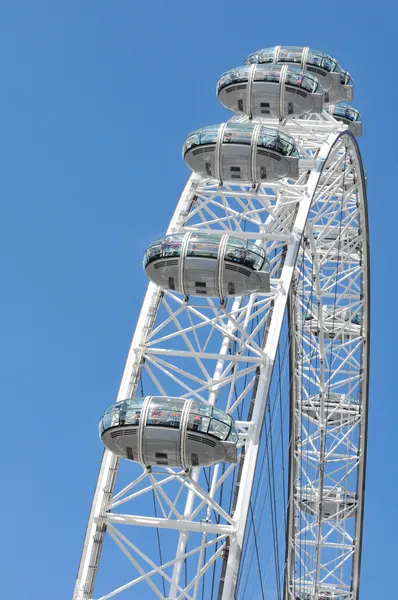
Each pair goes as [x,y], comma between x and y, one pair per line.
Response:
[169,431]
[275,90]
[208,264]
[241,153]
[348,115]
[325,592]
[335,81]
[334,241]
[338,324]
[340,410]
[337,503]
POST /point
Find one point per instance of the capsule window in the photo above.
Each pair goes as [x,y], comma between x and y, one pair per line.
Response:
[130,416]
[111,420]
[218,429]
[206,246]
[202,409]
[221,416]
[233,436]
[197,422]
[209,135]
[165,412]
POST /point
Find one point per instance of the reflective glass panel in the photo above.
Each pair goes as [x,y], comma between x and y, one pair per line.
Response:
[240,74]
[153,252]
[201,409]
[221,416]
[253,260]
[192,140]
[311,84]
[111,419]
[235,253]
[346,111]
[172,245]
[219,429]
[238,134]
[261,261]
[267,73]
[276,140]
[271,74]
[290,54]
[206,246]
[197,422]
[345,78]
[165,412]
[233,436]
[225,79]
[131,416]
[322,60]
[209,134]
[246,253]
[262,56]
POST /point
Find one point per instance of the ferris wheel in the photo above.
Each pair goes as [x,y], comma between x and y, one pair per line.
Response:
[234,462]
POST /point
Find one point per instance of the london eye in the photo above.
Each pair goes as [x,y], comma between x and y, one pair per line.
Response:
[235,451]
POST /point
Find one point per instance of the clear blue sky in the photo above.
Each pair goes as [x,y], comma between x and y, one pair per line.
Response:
[96,100]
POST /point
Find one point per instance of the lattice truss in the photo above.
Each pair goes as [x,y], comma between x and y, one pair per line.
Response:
[182,533]
[198,349]
[330,340]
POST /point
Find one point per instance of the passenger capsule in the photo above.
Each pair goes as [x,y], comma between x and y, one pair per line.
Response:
[332,241]
[207,264]
[241,153]
[325,592]
[339,410]
[349,115]
[170,432]
[337,503]
[270,90]
[335,81]
[338,323]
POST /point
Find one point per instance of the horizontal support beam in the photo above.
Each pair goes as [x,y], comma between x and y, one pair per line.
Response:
[246,235]
[178,524]
[303,542]
[186,354]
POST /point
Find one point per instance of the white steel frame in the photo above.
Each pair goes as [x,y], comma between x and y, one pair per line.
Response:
[203,350]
